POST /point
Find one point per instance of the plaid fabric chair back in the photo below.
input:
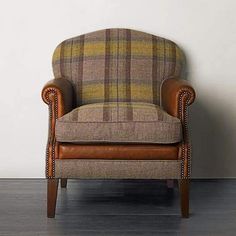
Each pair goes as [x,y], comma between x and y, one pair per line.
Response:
[117,65]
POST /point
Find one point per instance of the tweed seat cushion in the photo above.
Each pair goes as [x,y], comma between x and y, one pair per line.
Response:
[119,122]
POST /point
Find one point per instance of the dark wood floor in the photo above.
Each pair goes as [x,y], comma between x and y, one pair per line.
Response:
[117,208]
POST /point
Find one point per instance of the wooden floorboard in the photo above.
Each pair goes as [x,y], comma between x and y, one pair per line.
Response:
[118,207]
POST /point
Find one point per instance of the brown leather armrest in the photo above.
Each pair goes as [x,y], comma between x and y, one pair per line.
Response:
[60,93]
[176,95]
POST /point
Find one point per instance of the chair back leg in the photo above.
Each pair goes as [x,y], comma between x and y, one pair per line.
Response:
[170,183]
[63,183]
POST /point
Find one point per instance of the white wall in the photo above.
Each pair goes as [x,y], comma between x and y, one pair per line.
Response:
[30,30]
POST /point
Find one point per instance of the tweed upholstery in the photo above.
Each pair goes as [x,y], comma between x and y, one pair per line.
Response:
[119,122]
[117,65]
[115,169]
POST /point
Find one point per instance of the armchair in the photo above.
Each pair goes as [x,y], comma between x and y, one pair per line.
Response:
[118,110]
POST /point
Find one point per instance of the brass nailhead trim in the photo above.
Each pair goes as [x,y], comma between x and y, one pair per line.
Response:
[51,138]
[185,125]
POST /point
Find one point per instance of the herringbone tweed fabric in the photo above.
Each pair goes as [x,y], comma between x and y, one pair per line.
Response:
[118,169]
[119,122]
[117,65]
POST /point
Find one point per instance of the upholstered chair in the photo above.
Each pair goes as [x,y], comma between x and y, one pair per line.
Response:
[118,110]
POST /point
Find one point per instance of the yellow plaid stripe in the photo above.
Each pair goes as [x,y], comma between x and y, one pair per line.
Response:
[96,91]
[98,49]
[134,105]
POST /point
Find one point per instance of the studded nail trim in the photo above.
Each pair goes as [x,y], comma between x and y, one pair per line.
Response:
[50,97]
[184,101]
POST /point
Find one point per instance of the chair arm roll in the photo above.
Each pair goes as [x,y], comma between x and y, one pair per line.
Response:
[60,93]
[176,95]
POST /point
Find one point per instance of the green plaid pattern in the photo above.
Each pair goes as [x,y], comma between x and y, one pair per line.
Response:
[117,65]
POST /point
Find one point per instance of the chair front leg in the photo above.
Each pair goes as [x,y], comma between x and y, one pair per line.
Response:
[51,197]
[184,197]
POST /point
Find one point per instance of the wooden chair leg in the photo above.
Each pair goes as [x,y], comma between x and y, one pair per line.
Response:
[184,197]
[170,183]
[52,197]
[63,183]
